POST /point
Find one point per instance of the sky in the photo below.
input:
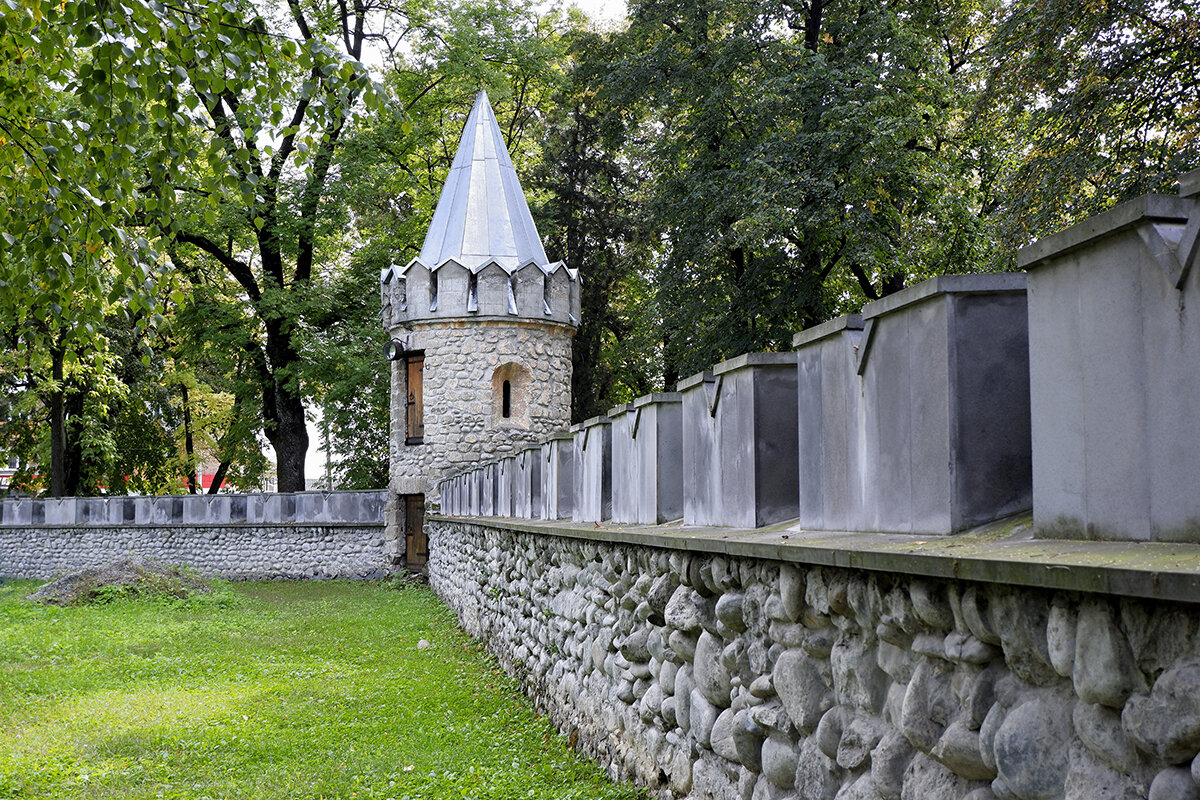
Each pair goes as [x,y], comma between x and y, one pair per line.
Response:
[603,11]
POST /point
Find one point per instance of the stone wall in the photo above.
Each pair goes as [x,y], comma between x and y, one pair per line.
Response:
[463,423]
[235,552]
[302,535]
[723,664]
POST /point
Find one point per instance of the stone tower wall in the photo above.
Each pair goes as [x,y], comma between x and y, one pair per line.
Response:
[466,361]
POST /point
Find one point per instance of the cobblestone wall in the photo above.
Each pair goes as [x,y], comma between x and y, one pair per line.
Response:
[713,677]
[462,413]
[238,552]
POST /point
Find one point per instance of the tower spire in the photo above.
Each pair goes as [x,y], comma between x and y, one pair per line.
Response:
[482,215]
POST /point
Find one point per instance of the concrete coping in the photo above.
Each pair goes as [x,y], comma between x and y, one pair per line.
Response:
[694,380]
[852,322]
[985,283]
[588,423]
[561,436]
[520,322]
[1163,207]
[619,409]
[1189,184]
[657,397]
[204,524]
[1002,552]
[747,360]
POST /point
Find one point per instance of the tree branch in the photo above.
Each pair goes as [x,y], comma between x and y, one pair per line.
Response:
[240,271]
[863,281]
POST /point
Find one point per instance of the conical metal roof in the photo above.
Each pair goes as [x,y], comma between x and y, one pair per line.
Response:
[482,216]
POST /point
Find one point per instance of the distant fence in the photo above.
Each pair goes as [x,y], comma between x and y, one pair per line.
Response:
[274,508]
[275,535]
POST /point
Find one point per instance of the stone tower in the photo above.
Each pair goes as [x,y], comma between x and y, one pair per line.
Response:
[480,325]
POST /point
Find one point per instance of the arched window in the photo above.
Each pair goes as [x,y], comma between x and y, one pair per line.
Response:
[510,393]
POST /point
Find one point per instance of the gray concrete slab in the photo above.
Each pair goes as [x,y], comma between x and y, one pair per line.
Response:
[739,442]
[1189,184]
[625,477]
[60,510]
[593,470]
[505,474]
[828,424]
[701,472]
[1110,223]
[1115,376]
[658,437]
[558,476]
[527,487]
[487,489]
[943,406]
[648,459]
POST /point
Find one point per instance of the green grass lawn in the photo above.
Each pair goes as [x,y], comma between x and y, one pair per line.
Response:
[268,690]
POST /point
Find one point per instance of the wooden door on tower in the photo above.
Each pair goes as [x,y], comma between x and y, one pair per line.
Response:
[416,546]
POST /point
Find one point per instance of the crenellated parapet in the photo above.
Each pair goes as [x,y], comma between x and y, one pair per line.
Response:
[532,292]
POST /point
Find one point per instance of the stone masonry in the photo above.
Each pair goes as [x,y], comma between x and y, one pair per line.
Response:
[239,537]
[233,552]
[463,420]
[715,677]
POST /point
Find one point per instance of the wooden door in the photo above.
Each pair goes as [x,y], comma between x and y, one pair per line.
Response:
[416,546]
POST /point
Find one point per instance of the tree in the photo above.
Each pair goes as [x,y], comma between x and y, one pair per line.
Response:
[589,207]
[1106,98]
[342,343]
[268,177]
[69,197]
[167,120]
[799,157]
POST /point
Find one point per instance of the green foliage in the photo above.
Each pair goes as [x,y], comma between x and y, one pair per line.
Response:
[127,127]
[1107,96]
[591,211]
[342,344]
[195,198]
[797,159]
[791,161]
[297,690]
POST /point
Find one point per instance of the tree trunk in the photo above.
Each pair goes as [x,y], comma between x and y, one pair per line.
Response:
[219,477]
[291,444]
[284,408]
[188,446]
[58,427]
